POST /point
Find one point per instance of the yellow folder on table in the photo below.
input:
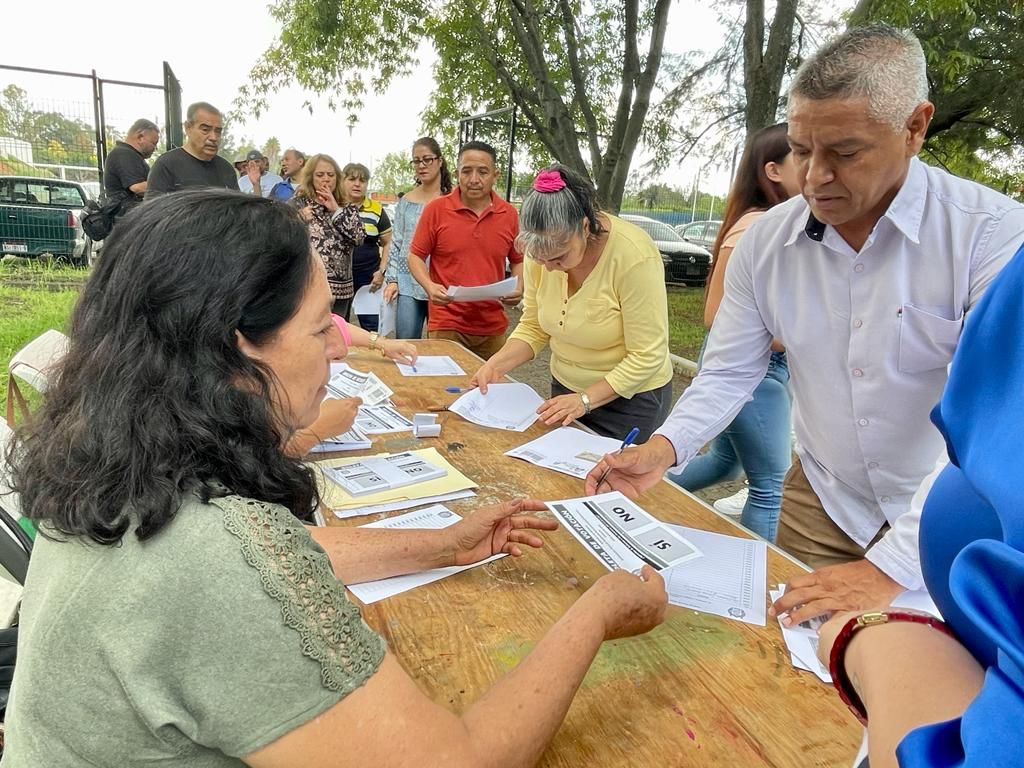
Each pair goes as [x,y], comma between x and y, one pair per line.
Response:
[337,498]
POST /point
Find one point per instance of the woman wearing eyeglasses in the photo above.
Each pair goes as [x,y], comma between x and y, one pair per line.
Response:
[433,179]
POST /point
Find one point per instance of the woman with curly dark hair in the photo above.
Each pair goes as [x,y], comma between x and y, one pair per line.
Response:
[176,611]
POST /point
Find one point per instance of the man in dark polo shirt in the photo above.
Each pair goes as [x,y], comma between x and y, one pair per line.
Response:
[126,170]
[197,163]
[468,235]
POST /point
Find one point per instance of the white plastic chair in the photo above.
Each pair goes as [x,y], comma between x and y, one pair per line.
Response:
[32,364]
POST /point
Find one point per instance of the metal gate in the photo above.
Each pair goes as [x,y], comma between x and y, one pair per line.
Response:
[62,124]
[497,128]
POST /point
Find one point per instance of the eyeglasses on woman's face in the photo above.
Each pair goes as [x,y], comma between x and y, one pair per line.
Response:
[417,161]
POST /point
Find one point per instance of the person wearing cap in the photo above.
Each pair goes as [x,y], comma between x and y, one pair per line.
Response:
[257,179]
[595,293]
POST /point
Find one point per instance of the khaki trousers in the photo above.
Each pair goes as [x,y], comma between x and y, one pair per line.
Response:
[807,532]
[484,346]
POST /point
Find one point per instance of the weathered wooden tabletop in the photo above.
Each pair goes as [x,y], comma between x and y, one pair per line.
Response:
[697,691]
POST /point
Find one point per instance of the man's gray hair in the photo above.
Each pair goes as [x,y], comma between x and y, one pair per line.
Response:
[879,62]
[205,106]
[141,126]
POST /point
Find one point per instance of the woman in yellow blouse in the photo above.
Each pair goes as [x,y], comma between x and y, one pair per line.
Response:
[594,292]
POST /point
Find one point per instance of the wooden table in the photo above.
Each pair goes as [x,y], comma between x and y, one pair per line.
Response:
[698,690]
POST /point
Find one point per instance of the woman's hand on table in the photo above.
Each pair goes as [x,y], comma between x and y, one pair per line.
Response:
[631,604]
[399,351]
[498,529]
[485,375]
[563,409]
[390,292]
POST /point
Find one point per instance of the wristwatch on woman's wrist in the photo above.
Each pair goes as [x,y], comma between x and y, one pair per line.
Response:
[585,399]
[373,341]
[837,657]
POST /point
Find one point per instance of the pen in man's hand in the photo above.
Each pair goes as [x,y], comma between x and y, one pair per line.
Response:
[625,444]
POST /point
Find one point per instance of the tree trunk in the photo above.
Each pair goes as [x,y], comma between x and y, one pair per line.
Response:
[765,64]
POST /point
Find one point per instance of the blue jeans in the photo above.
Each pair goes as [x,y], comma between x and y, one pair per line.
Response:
[758,443]
[410,315]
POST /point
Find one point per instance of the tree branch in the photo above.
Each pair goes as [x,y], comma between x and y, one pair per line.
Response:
[580,85]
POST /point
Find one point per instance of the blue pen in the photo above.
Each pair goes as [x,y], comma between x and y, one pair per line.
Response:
[455,390]
[625,444]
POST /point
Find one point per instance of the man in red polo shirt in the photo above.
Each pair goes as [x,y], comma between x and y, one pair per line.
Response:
[468,235]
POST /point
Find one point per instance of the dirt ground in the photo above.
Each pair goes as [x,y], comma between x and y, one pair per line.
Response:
[538,375]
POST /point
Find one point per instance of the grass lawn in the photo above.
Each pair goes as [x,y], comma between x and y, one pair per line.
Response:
[685,321]
[33,299]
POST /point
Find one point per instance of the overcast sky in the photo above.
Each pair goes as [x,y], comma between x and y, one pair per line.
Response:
[211,47]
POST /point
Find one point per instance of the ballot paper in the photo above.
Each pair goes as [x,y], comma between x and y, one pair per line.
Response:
[729,580]
[568,450]
[434,517]
[366,302]
[432,365]
[344,504]
[375,474]
[353,440]
[348,382]
[802,641]
[386,322]
[620,534]
[483,292]
[511,406]
[381,419]
[396,506]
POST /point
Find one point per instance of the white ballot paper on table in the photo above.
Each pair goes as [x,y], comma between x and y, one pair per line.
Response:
[511,406]
[394,506]
[483,292]
[568,450]
[437,516]
[730,580]
[365,302]
[802,641]
[348,382]
[432,365]
[353,440]
[381,419]
[383,473]
[620,534]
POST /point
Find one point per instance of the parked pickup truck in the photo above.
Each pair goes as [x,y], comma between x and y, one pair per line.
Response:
[42,216]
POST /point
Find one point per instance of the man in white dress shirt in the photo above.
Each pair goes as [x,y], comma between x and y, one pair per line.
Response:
[866,280]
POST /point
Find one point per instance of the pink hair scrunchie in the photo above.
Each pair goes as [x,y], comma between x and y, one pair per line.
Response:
[549,181]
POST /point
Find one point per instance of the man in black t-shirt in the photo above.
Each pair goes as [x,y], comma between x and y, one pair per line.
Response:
[197,163]
[126,171]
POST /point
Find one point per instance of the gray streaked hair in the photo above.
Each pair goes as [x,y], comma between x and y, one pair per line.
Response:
[879,62]
[205,106]
[549,219]
[142,125]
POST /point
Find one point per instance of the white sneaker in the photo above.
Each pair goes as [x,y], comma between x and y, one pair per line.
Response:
[733,505]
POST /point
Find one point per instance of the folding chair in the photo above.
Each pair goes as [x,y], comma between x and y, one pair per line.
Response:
[32,364]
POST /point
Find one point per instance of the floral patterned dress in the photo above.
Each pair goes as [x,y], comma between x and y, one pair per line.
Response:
[334,237]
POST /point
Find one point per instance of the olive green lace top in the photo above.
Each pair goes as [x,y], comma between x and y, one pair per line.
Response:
[221,634]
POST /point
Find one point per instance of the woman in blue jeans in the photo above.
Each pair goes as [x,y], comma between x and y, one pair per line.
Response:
[432,180]
[757,441]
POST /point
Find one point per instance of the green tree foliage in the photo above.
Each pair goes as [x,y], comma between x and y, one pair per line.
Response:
[581,74]
[975,53]
[54,137]
[391,174]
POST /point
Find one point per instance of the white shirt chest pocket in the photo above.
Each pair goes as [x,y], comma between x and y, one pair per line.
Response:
[927,340]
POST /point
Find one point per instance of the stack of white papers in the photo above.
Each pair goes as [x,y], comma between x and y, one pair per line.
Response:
[432,365]
[483,292]
[353,440]
[434,517]
[620,534]
[453,485]
[348,382]
[802,641]
[383,473]
[567,450]
[730,580]
[512,406]
[381,419]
